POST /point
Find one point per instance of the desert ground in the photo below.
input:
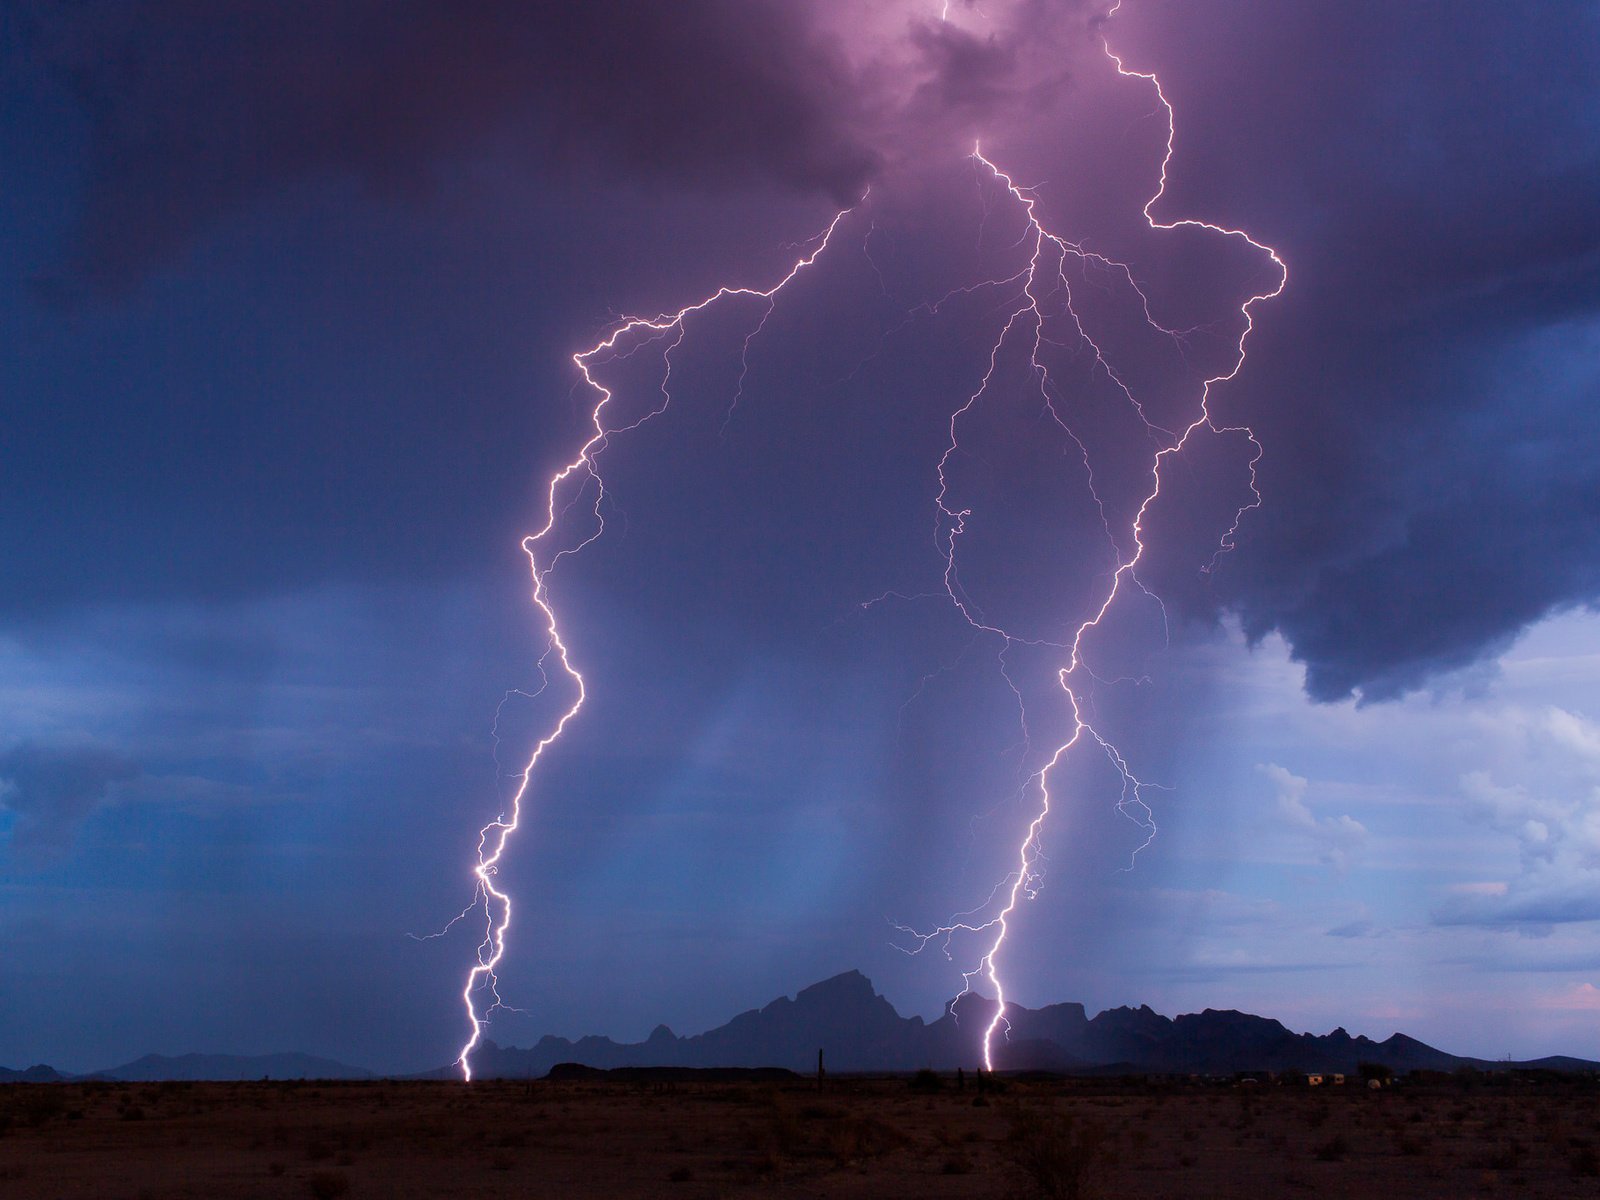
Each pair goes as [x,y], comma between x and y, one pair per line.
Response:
[877,1138]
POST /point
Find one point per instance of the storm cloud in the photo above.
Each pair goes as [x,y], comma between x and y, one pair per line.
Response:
[1427,388]
[1424,391]
[198,109]
[52,789]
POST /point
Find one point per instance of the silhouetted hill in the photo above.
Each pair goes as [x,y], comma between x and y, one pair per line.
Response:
[860,1031]
[232,1067]
[38,1073]
[858,1028]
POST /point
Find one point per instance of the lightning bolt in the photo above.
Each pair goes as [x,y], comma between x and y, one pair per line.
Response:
[1044,278]
[1042,283]
[566,489]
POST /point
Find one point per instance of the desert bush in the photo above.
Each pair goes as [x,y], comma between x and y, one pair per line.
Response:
[1056,1152]
[40,1102]
[1504,1157]
[785,1136]
[1334,1149]
[1585,1163]
[327,1185]
[857,1138]
[926,1080]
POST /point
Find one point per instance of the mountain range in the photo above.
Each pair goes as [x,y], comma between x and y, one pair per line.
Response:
[217,1067]
[859,1031]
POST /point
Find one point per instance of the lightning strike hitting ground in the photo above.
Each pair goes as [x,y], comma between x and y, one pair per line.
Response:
[1042,283]
[1049,255]
[560,497]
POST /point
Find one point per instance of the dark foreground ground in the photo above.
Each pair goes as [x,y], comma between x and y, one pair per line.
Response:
[857,1138]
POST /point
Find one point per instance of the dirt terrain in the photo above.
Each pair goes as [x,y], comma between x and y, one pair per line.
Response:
[880,1139]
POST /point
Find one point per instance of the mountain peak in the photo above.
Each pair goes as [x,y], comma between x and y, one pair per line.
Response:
[847,985]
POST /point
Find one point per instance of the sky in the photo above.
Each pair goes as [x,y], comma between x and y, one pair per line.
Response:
[288,299]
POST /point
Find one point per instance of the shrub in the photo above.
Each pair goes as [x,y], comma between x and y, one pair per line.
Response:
[1334,1149]
[1504,1157]
[328,1185]
[41,1102]
[1055,1152]
[856,1138]
[957,1164]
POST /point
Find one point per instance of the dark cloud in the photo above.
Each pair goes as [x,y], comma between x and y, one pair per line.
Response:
[1357,929]
[198,109]
[965,74]
[1531,911]
[1426,389]
[52,789]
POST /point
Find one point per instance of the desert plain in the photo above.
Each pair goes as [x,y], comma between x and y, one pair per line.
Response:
[877,1138]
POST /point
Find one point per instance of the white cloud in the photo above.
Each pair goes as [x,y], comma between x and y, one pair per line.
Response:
[1337,838]
[1573,732]
[1551,807]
